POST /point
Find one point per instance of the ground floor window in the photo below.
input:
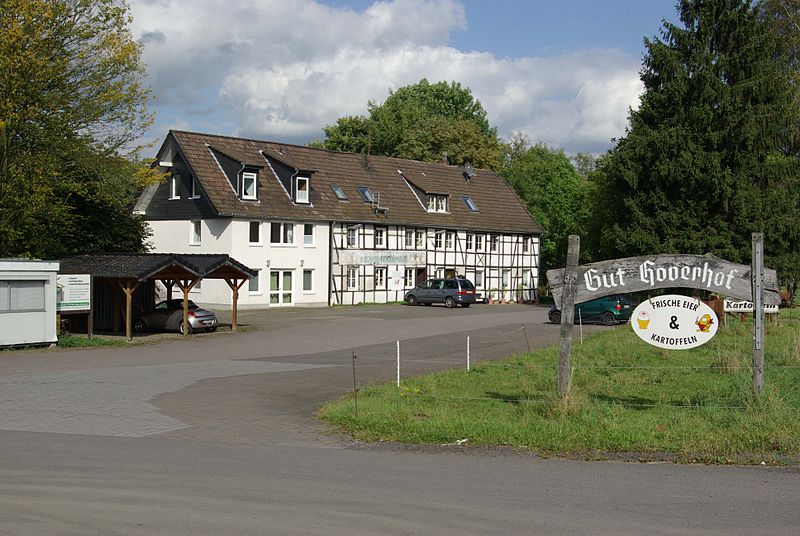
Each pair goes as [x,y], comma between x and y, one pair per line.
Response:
[380,278]
[478,279]
[280,287]
[21,296]
[308,280]
[254,285]
[352,278]
[409,278]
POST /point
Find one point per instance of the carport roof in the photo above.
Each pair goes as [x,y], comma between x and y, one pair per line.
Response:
[143,266]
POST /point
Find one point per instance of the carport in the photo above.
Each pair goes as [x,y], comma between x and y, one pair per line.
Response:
[126,271]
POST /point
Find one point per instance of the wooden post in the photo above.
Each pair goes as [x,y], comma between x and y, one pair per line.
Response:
[186,286]
[568,316]
[235,285]
[758,312]
[128,288]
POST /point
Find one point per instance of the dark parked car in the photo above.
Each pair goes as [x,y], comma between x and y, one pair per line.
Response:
[450,292]
[609,310]
[168,315]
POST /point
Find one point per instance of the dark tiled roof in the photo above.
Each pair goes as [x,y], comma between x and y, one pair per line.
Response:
[142,266]
[499,208]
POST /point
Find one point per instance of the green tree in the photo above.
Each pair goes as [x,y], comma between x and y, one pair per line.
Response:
[557,197]
[422,121]
[704,161]
[72,101]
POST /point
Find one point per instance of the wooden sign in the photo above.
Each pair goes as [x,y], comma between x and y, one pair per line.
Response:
[636,274]
[674,322]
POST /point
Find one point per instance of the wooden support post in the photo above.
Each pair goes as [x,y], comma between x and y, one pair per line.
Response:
[128,288]
[758,312]
[568,317]
[186,286]
[235,284]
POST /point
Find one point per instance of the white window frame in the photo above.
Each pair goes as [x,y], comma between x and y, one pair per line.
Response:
[380,277]
[408,277]
[439,272]
[470,241]
[448,240]
[479,283]
[380,231]
[351,238]
[526,244]
[431,203]
[494,240]
[246,177]
[174,182]
[196,232]
[438,240]
[409,238]
[351,277]
[30,288]
[282,234]
[306,243]
[441,203]
[305,198]
[303,282]
[258,225]
[257,280]
[195,195]
[478,242]
[419,239]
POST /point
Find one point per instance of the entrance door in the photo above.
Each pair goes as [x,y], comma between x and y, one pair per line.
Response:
[449,273]
[280,287]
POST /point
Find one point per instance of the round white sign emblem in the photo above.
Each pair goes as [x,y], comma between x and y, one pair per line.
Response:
[674,322]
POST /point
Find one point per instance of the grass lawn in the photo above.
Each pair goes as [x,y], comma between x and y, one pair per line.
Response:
[627,397]
[80,341]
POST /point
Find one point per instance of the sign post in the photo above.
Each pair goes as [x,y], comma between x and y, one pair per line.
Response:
[758,312]
[568,317]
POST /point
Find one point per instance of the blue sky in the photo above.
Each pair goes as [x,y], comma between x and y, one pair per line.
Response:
[565,73]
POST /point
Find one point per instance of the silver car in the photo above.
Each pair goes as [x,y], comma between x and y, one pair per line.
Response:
[168,315]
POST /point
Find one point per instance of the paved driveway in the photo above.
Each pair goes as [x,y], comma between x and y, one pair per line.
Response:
[261,386]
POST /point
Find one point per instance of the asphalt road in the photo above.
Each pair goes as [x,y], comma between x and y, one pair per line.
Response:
[216,435]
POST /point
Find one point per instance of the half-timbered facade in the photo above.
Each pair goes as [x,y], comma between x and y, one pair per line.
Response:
[325,228]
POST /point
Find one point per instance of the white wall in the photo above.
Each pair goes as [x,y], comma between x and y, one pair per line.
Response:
[232,237]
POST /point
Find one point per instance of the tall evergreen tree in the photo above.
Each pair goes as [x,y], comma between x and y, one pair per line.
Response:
[705,160]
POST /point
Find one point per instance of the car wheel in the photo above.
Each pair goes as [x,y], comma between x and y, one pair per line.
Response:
[180,327]
[412,300]
[555,317]
[608,318]
[465,304]
[139,326]
[449,302]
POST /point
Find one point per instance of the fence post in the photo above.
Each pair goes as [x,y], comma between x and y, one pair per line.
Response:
[398,363]
[758,312]
[467,353]
[564,377]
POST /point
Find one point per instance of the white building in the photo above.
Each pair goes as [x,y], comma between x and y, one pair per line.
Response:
[323,227]
[27,302]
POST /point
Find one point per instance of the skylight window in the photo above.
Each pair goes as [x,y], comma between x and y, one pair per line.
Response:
[365,194]
[339,192]
[470,203]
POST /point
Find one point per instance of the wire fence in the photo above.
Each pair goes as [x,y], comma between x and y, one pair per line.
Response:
[456,351]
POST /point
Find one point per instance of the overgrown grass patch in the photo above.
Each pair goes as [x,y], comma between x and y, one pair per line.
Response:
[627,396]
[80,341]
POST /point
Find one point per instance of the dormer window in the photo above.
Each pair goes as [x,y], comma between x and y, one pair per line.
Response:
[437,203]
[302,187]
[249,185]
[195,188]
[174,192]
[366,195]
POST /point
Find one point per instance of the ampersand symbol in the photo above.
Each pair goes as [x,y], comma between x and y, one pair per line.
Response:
[673,322]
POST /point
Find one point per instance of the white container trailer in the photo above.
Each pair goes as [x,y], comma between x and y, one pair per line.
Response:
[27,301]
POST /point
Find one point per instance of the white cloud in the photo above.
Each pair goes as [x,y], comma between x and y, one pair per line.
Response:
[286,68]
